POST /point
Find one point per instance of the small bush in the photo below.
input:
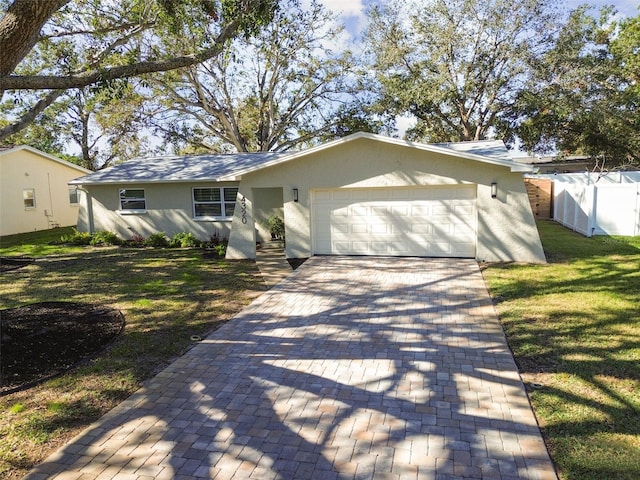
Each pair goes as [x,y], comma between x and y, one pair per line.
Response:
[184,240]
[76,238]
[217,244]
[221,249]
[136,241]
[104,238]
[159,240]
[214,240]
[276,227]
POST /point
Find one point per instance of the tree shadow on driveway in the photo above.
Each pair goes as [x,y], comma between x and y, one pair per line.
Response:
[350,368]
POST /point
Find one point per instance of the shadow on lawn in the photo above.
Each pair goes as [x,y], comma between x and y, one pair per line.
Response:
[363,379]
[579,326]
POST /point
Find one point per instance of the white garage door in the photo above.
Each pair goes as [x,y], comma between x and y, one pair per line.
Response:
[425,221]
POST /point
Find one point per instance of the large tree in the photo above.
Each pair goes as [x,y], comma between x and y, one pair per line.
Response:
[272,92]
[48,47]
[454,65]
[585,94]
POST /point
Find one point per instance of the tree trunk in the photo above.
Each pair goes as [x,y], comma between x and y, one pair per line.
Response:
[20,29]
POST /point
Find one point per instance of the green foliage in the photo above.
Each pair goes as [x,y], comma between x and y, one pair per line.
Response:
[276,226]
[104,238]
[454,66]
[584,96]
[97,36]
[217,244]
[282,89]
[76,238]
[159,240]
[17,408]
[184,240]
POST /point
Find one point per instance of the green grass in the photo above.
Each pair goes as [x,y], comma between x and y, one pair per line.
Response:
[574,328]
[573,325]
[36,244]
[167,296]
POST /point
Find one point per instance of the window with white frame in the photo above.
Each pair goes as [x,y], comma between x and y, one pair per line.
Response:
[74,196]
[29,198]
[132,200]
[214,202]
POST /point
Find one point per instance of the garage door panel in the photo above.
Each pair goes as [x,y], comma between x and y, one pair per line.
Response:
[398,211]
[429,221]
[381,228]
[360,228]
[421,228]
[379,248]
[379,211]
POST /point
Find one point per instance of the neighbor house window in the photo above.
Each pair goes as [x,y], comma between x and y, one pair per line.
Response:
[29,198]
[74,196]
[214,202]
[132,200]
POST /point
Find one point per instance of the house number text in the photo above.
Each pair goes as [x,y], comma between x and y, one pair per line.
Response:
[243,209]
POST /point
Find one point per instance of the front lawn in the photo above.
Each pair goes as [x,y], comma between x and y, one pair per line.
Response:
[574,328]
[167,297]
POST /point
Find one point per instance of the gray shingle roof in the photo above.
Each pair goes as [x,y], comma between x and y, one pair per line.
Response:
[486,148]
[225,167]
[189,168]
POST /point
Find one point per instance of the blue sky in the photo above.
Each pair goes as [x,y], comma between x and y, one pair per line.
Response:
[352,12]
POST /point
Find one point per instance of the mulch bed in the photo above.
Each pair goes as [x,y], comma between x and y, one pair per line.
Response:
[296,262]
[43,340]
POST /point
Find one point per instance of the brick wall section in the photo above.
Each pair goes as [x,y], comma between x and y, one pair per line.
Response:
[540,193]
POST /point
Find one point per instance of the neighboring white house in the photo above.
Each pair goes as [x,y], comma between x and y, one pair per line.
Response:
[593,203]
[364,194]
[34,190]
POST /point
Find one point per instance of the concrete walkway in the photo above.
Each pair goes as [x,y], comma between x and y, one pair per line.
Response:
[272,263]
[350,368]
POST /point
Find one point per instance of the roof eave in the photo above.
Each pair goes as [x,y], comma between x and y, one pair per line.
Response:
[46,155]
[78,181]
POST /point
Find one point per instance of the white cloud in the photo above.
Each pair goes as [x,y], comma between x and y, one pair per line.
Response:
[348,8]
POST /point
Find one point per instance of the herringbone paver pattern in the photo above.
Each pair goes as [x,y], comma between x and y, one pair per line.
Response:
[351,368]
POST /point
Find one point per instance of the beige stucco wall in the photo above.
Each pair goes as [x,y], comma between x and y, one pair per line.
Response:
[506,227]
[24,169]
[268,202]
[169,210]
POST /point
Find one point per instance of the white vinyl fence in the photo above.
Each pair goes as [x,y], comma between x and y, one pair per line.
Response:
[598,205]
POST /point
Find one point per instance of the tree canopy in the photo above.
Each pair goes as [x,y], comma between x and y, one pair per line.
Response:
[271,92]
[455,65]
[47,48]
[584,94]
[254,75]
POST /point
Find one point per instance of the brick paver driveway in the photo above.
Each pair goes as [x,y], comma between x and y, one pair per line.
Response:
[350,368]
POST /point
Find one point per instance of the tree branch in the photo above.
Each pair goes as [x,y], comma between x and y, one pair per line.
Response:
[30,116]
[20,29]
[45,82]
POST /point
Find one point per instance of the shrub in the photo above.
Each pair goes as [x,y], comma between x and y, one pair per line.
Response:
[137,240]
[104,238]
[276,226]
[217,244]
[76,238]
[214,239]
[159,239]
[220,249]
[184,240]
